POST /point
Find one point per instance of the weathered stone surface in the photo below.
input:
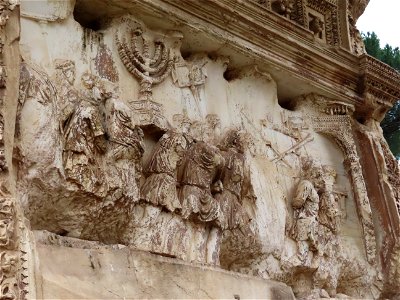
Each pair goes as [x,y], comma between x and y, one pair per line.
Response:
[87,270]
[223,137]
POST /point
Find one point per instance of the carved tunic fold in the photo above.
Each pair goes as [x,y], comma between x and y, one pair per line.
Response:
[233,215]
[201,164]
[82,134]
[160,185]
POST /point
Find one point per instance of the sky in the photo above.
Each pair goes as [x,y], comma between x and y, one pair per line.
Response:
[382,17]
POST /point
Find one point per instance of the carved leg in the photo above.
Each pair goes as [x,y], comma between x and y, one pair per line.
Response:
[213,246]
[303,249]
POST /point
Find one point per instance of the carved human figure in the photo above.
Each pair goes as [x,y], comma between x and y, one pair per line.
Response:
[125,149]
[197,176]
[306,205]
[67,94]
[212,128]
[230,199]
[6,222]
[8,263]
[159,188]
[84,141]
[329,212]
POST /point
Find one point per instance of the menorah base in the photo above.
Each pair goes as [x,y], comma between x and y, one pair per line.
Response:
[149,114]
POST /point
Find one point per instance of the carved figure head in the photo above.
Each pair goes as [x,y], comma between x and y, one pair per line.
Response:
[92,83]
[316,25]
[8,262]
[213,127]
[4,16]
[235,138]
[12,4]
[197,131]
[88,80]
[181,123]
[213,121]
[6,231]
[329,176]
[312,171]
[6,207]
[283,7]
[65,70]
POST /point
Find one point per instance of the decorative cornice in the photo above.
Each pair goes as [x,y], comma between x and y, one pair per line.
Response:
[289,46]
[380,80]
[273,40]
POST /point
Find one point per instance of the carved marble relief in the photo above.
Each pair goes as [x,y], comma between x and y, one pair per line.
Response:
[193,157]
[150,67]
[191,74]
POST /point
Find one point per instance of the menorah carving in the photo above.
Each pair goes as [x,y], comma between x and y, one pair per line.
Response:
[151,68]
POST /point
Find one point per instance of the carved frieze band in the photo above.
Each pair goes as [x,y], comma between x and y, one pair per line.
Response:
[339,128]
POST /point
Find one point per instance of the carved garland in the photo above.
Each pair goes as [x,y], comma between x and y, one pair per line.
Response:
[13,269]
[339,128]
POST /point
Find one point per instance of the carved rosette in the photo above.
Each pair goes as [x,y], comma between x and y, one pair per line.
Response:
[13,269]
[339,127]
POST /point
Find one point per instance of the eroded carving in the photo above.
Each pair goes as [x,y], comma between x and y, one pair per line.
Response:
[200,166]
[85,140]
[117,172]
[283,7]
[150,68]
[233,181]
[160,186]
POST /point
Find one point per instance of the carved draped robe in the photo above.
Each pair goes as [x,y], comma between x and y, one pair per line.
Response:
[81,154]
[232,213]
[306,203]
[329,213]
[125,150]
[160,185]
[201,165]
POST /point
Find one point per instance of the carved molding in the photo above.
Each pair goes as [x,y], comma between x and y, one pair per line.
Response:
[379,87]
[13,260]
[380,80]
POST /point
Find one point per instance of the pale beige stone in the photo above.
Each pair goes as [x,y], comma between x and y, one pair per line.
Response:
[224,137]
[102,272]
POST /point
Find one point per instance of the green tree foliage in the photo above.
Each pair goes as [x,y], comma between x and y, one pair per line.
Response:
[390,56]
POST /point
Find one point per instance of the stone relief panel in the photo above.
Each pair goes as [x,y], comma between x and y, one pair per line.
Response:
[172,157]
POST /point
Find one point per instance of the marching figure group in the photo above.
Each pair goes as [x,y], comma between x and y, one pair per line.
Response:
[190,172]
